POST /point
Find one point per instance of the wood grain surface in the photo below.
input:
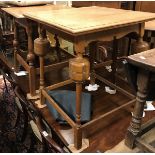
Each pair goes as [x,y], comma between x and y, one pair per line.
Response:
[87,19]
[19,11]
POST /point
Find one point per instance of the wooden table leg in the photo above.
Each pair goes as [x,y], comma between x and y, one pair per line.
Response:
[140,45]
[92,51]
[78,133]
[114,59]
[57,47]
[78,71]
[15,45]
[135,126]
[30,59]
[41,47]
[42,81]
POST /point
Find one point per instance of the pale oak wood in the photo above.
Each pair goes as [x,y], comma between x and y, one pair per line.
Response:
[18,12]
[87,19]
[82,25]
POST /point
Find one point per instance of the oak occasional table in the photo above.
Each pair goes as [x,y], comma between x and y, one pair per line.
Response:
[81,26]
[18,19]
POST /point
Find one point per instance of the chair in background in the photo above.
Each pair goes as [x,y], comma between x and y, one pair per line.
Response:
[29,115]
[40,127]
[16,122]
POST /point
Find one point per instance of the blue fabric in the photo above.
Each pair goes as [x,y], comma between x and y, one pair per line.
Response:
[66,99]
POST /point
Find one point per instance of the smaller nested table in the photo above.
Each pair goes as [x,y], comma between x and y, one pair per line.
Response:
[18,19]
[144,62]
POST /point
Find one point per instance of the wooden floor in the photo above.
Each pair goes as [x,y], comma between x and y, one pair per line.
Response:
[108,132]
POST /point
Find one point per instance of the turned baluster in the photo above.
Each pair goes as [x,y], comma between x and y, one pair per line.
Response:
[41,47]
[140,45]
[114,59]
[92,50]
[31,59]
[57,47]
[15,45]
[78,71]
[135,126]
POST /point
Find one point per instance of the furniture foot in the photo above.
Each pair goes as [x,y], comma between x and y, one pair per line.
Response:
[30,97]
[85,144]
[39,105]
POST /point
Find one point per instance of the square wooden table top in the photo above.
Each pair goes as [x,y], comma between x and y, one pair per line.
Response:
[18,12]
[88,19]
[144,59]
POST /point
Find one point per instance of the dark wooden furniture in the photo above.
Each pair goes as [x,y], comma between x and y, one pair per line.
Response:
[18,19]
[96,23]
[149,26]
[128,5]
[51,143]
[111,4]
[145,66]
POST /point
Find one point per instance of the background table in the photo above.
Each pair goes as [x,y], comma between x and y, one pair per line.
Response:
[18,19]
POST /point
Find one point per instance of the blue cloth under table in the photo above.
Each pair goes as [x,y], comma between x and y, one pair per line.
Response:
[66,99]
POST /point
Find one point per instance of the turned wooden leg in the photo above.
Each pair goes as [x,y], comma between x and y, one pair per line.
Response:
[41,47]
[114,59]
[78,135]
[15,45]
[30,59]
[140,45]
[57,47]
[135,125]
[79,72]
[42,82]
[92,51]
